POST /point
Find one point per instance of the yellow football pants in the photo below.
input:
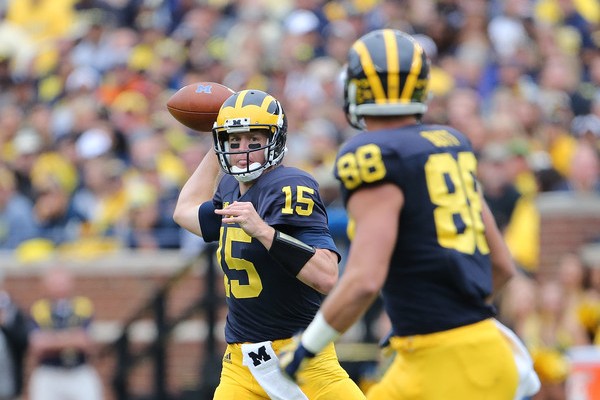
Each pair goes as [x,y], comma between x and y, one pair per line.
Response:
[322,379]
[470,362]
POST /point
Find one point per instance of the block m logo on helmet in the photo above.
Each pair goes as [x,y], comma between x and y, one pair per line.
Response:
[237,122]
[261,357]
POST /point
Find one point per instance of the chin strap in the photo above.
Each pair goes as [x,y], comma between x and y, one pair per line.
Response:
[242,175]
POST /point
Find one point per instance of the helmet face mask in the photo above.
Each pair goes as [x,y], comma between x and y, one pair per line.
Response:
[387,74]
[248,111]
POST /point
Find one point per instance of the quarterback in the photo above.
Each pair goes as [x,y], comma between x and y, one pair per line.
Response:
[275,249]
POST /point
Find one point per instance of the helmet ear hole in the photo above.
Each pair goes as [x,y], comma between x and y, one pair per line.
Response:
[353,118]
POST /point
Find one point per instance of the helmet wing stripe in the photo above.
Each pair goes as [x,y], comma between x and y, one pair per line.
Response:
[239,103]
[267,102]
[393,65]
[415,68]
[370,72]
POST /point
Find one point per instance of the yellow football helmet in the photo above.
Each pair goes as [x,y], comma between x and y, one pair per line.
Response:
[387,74]
[244,111]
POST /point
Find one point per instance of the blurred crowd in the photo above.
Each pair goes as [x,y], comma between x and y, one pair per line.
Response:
[92,161]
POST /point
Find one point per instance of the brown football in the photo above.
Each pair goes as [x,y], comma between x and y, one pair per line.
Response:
[197,105]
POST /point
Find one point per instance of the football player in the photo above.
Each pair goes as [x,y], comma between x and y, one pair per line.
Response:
[275,249]
[422,236]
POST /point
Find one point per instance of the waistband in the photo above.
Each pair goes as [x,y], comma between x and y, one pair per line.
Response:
[62,366]
[277,344]
[416,342]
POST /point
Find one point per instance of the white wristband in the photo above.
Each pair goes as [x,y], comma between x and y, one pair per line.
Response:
[318,334]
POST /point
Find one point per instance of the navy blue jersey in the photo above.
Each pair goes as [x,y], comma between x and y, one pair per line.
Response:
[57,315]
[265,302]
[440,272]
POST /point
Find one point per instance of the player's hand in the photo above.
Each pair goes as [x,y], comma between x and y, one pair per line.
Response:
[293,358]
[385,344]
[244,214]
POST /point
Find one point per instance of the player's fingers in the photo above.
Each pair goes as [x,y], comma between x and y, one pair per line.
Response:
[227,212]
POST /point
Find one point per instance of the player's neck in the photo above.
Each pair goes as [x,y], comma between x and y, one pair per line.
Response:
[245,186]
[379,123]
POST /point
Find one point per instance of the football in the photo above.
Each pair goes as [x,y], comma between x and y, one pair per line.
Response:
[197,105]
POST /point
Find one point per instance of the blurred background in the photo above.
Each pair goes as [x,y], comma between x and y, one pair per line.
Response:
[92,162]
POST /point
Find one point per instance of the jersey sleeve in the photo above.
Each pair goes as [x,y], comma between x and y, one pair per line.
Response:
[363,164]
[318,238]
[83,309]
[293,200]
[41,314]
[210,223]
[292,204]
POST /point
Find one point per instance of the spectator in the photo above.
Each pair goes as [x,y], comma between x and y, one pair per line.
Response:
[572,278]
[16,213]
[146,228]
[13,346]
[340,35]
[534,311]
[499,189]
[102,199]
[27,146]
[589,308]
[558,142]
[95,48]
[587,128]
[61,344]
[550,332]
[584,171]
[58,220]
[43,20]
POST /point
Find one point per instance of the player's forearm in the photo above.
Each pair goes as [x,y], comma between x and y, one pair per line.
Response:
[199,188]
[80,339]
[349,300]
[43,342]
[321,271]
[355,292]
[365,272]
[503,270]
[316,268]
[342,308]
